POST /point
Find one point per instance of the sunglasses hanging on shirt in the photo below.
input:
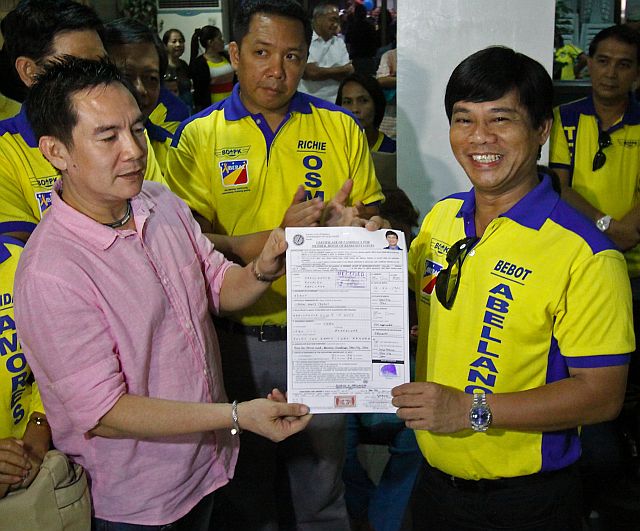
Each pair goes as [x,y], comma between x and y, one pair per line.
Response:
[604,141]
[448,279]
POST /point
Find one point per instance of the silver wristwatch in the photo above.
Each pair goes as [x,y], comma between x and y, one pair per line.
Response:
[480,413]
[603,223]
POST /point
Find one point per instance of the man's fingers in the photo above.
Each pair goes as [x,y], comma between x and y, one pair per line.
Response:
[410,401]
[343,194]
[292,410]
[298,197]
[299,423]
[378,222]
[303,213]
[277,396]
[410,388]
[10,479]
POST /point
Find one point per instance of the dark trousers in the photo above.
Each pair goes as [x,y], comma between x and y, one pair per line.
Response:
[295,484]
[542,502]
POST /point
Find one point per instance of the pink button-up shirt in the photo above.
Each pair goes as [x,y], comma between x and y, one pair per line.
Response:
[101,313]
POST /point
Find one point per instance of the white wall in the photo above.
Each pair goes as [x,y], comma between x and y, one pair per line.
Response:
[187,20]
[433,37]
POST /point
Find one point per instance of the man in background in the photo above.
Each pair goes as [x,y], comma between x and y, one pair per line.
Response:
[595,150]
[36,31]
[140,55]
[328,61]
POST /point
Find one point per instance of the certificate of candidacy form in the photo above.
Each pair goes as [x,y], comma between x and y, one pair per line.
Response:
[347,318]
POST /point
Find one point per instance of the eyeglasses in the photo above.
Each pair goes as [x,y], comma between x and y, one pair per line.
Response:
[604,141]
[449,279]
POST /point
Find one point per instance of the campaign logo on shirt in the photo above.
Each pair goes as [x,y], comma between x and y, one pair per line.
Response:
[431,270]
[44,201]
[234,172]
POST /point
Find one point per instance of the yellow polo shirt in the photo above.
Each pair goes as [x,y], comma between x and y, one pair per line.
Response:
[234,171]
[615,188]
[542,291]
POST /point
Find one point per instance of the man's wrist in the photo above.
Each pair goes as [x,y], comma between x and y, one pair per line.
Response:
[235,419]
[259,276]
[39,420]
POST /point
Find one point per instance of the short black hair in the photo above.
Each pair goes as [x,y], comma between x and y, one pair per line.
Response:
[282,8]
[620,33]
[372,86]
[390,233]
[491,73]
[128,31]
[49,106]
[30,28]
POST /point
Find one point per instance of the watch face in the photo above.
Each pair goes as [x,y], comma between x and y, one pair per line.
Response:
[603,223]
[480,417]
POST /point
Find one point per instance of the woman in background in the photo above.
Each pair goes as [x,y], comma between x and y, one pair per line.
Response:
[363,96]
[211,72]
[178,69]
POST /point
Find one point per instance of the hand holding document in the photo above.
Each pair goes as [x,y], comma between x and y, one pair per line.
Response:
[347,318]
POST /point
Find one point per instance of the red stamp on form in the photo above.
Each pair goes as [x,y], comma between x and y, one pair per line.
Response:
[345,401]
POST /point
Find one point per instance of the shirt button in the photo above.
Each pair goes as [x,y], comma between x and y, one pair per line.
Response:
[258,121]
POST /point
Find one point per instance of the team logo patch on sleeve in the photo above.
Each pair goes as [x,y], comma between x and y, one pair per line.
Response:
[431,270]
[234,172]
[44,201]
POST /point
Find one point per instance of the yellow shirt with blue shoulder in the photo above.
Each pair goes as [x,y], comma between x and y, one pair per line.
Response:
[19,395]
[234,171]
[26,177]
[541,292]
[160,141]
[614,189]
[384,144]
[170,112]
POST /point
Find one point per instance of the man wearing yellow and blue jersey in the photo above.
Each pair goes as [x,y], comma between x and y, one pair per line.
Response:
[595,143]
[24,432]
[595,150]
[237,164]
[35,32]
[141,56]
[524,314]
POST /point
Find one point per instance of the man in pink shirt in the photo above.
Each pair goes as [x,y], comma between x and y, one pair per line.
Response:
[112,300]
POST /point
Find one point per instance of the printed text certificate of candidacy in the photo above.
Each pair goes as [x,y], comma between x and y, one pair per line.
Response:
[347,318]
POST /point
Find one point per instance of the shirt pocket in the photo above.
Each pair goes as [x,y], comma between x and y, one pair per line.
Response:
[192,277]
